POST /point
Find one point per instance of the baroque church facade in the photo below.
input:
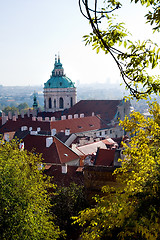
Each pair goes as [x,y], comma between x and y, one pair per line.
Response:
[59,91]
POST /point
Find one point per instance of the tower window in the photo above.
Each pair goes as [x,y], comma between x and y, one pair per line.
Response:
[60,83]
[61,103]
[71,101]
[50,103]
[54,103]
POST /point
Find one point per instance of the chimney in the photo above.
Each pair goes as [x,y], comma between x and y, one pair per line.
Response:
[16,114]
[46,119]
[92,114]
[49,141]
[3,114]
[64,168]
[75,115]
[53,132]
[22,113]
[6,137]
[63,117]
[53,119]
[82,115]
[28,113]
[14,118]
[69,116]
[9,115]
[67,132]
[4,119]
[33,118]
[34,113]
[39,119]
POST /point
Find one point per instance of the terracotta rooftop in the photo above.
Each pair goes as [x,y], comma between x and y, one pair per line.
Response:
[78,124]
[57,153]
[105,157]
[109,141]
[56,114]
[11,125]
[75,124]
[105,108]
[62,179]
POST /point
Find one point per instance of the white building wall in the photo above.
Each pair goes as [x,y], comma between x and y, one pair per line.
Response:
[57,93]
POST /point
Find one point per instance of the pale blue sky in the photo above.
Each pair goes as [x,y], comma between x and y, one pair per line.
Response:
[33,31]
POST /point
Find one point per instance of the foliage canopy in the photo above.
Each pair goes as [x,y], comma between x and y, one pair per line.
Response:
[67,202]
[24,202]
[137,56]
[131,210]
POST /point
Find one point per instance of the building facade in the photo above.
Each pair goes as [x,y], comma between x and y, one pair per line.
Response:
[59,90]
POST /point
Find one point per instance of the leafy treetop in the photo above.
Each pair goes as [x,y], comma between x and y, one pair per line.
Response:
[138,56]
[24,201]
[131,211]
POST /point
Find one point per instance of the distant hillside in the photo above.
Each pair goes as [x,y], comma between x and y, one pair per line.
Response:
[14,95]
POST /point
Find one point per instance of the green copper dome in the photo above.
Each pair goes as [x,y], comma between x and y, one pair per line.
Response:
[58,78]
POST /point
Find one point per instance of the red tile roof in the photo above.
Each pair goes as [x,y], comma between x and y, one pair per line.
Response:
[106,108]
[57,153]
[78,124]
[56,114]
[75,125]
[62,179]
[11,126]
[105,157]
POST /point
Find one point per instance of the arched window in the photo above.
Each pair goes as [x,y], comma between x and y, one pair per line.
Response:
[45,103]
[54,103]
[71,101]
[50,103]
[61,103]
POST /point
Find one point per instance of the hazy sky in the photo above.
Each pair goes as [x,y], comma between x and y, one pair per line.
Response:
[33,31]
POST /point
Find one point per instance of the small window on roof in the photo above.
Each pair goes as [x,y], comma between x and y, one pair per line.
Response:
[91,125]
[79,126]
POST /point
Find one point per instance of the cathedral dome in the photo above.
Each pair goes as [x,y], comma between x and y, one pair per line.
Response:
[58,78]
[59,82]
[59,91]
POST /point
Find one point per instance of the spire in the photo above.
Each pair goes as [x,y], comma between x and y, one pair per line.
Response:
[58,58]
[35,103]
[58,69]
[55,58]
